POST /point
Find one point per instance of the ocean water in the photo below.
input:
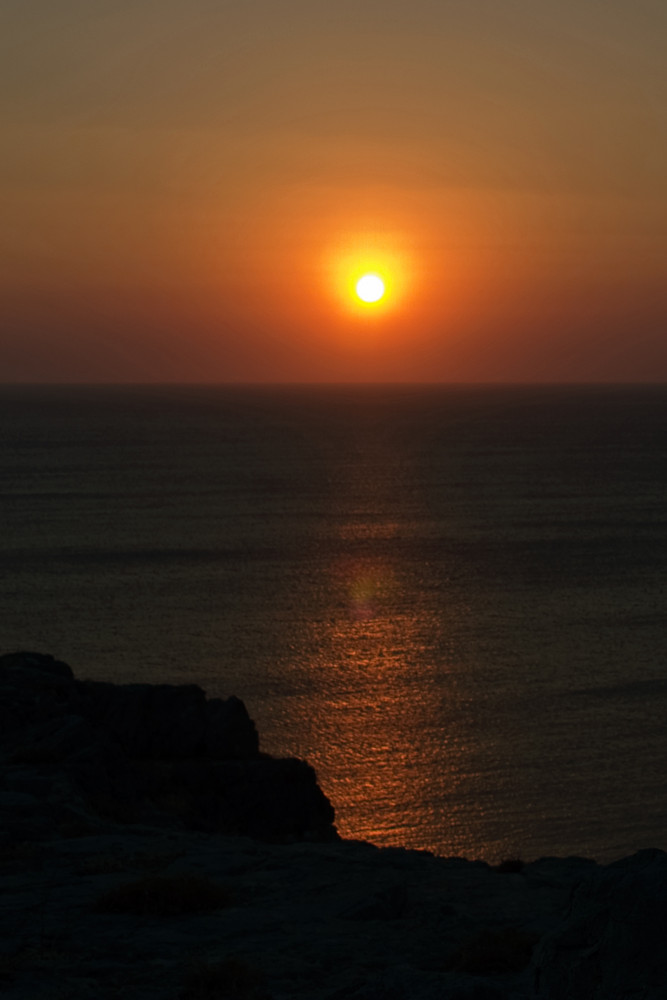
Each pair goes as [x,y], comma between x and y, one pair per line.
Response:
[450,600]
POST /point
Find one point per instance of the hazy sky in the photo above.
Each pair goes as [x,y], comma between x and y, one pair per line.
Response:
[189,189]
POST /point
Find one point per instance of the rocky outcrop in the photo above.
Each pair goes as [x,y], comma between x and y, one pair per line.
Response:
[35,688]
[150,753]
[167,722]
[147,721]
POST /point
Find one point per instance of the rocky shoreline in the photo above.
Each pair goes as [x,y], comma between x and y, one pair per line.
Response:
[149,851]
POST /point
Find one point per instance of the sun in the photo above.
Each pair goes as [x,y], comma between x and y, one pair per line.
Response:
[369,275]
[370,288]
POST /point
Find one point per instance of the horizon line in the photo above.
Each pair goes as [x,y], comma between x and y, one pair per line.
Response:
[254,383]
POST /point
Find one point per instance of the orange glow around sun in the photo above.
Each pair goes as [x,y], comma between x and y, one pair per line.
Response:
[370,275]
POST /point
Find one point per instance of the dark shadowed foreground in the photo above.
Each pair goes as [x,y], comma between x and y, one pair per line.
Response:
[148,850]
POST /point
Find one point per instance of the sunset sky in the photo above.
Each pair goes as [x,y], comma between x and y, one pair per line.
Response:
[191,189]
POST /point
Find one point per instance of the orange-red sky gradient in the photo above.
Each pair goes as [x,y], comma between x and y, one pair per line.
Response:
[188,190]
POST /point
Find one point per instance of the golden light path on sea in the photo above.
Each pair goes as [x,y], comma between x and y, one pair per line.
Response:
[390,721]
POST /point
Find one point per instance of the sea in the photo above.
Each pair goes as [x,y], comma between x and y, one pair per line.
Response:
[450,600]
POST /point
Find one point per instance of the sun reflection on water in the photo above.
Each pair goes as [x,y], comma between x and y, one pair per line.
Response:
[380,655]
[370,586]
[378,689]
[378,721]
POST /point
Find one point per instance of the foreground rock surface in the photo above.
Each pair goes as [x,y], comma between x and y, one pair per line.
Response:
[337,921]
[155,909]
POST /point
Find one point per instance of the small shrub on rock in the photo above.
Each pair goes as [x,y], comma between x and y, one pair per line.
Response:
[230,979]
[165,896]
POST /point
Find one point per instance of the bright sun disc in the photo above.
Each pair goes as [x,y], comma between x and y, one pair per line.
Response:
[370,288]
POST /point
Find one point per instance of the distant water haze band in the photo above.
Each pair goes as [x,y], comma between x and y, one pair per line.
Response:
[449,599]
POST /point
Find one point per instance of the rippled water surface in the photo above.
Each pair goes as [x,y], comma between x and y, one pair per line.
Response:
[450,600]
